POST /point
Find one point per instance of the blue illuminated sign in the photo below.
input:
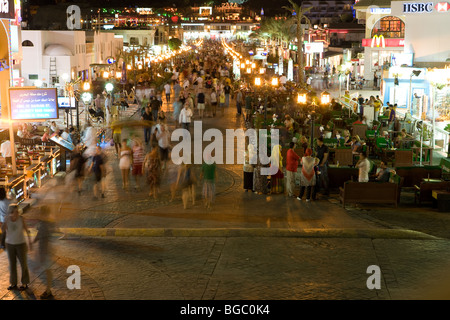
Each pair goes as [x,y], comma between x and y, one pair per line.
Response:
[33,104]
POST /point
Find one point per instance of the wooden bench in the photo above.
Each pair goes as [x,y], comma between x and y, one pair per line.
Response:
[369,192]
[424,192]
[414,175]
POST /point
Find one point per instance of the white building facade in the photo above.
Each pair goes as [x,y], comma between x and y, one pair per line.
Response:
[51,58]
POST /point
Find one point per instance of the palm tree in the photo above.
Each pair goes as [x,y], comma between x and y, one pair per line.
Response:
[298,15]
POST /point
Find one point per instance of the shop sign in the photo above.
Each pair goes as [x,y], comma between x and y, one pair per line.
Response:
[7,9]
[314,47]
[380,10]
[418,7]
[378,42]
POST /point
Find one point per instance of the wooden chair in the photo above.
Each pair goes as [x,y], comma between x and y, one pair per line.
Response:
[403,158]
[344,156]
[360,130]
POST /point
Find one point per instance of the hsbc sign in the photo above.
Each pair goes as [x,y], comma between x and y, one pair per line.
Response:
[425,7]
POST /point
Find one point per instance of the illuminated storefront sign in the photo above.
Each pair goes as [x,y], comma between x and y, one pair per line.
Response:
[380,10]
[378,42]
[314,47]
[417,7]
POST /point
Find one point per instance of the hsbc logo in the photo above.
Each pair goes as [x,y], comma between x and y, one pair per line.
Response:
[418,7]
[442,7]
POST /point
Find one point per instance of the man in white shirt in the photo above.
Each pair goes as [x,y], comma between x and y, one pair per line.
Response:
[5,150]
[185,117]
[163,136]
[364,167]
[167,91]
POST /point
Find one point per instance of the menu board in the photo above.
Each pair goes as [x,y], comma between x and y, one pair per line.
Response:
[60,142]
[33,104]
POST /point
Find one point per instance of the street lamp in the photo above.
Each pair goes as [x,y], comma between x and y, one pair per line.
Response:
[413,73]
[325,98]
[313,119]
[275,81]
[257,81]
[109,87]
[86,86]
[302,97]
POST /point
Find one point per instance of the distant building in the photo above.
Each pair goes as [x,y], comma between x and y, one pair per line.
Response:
[54,57]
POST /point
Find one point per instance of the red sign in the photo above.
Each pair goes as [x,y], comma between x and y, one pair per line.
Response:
[174,19]
[387,42]
[442,6]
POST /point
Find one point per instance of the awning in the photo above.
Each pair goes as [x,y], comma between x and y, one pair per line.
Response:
[328,54]
[364,4]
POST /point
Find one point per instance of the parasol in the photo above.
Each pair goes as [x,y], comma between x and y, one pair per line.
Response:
[132,123]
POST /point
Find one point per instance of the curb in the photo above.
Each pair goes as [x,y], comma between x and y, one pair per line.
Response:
[249,232]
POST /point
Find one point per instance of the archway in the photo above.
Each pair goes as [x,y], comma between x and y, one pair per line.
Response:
[5,73]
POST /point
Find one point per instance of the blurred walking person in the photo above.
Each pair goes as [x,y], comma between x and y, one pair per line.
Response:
[209,174]
[177,105]
[16,247]
[44,230]
[98,168]
[163,137]
[186,182]
[125,163]
[138,162]
[77,163]
[152,165]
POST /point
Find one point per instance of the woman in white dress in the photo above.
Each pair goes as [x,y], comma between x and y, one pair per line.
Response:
[125,163]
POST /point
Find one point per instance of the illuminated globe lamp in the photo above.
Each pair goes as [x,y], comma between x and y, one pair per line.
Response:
[262,70]
[274,81]
[242,65]
[118,74]
[257,81]
[325,98]
[129,67]
[253,65]
[109,87]
[105,74]
[302,97]
[249,70]
[86,97]
[86,86]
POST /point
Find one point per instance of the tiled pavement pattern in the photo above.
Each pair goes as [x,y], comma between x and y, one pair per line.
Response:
[242,268]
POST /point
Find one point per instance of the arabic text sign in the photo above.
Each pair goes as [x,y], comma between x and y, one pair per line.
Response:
[33,104]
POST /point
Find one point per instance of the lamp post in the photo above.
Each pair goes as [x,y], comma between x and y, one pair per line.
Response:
[313,119]
[410,95]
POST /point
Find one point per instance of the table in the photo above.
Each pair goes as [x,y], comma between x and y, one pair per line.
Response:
[442,199]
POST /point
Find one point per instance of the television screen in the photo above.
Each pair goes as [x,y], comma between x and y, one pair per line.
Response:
[64,102]
[33,104]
